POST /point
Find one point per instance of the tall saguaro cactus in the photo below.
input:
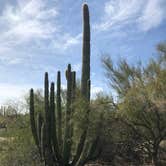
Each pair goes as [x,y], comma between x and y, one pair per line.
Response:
[85,51]
[47,130]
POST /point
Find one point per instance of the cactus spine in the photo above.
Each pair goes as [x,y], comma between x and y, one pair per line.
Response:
[47,131]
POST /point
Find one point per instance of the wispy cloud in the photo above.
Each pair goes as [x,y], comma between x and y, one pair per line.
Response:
[26,21]
[66,41]
[144,14]
[10,91]
[22,24]
[77,67]
[95,90]
[153,14]
[32,24]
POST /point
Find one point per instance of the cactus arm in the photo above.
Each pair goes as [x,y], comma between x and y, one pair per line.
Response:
[79,148]
[39,125]
[47,111]
[53,118]
[95,149]
[81,161]
[32,118]
[48,148]
[86,51]
[88,90]
[67,138]
[94,153]
[53,124]
[91,155]
[43,142]
[39,128]
[73,100]
[59,111]
[84,134]
[88,154]
[73,85]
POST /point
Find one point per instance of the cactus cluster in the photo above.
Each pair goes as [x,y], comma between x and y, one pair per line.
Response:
[55,147]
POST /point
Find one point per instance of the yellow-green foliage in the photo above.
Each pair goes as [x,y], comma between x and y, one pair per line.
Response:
[16,144]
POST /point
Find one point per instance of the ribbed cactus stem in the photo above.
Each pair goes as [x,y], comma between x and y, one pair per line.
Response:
[53,118]
[48,149]
[85,51]
[73,100]
[81,143]
[67,138]
[52,109]
[73,85]
[88,89]
[80,147]
[32,117]
[59,111]
[43,141]
[39,126]
[54,139]
[47,113]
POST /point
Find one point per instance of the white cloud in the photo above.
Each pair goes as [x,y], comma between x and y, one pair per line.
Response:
[9,91]
[27,21]
[95,90]
[77,67]
[72,40]
[22,24]
[14,61]
[145,14]
[66,41]
[152,15]
[32,23]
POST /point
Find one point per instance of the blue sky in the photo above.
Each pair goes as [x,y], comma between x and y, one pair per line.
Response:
[45,35]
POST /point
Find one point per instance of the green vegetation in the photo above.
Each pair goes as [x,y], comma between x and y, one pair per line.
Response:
[16,144]
[141,104]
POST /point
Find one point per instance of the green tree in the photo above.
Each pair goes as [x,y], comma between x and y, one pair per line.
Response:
[141,99]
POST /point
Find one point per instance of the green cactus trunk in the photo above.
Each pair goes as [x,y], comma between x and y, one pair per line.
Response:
[32,118]
[48,149]
[67,138]
[85,51]
[59,111]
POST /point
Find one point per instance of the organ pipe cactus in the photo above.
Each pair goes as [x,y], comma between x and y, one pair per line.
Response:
[47,130]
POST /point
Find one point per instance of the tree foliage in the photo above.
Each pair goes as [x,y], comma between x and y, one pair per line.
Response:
[141,103]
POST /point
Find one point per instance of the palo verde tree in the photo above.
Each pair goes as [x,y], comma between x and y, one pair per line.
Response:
[55,146]
[142,101]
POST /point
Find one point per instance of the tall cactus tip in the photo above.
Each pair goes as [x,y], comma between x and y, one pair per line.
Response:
[69,67]
[46,73]
[85,6]
[31,90]
[46,77]
[52,85]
